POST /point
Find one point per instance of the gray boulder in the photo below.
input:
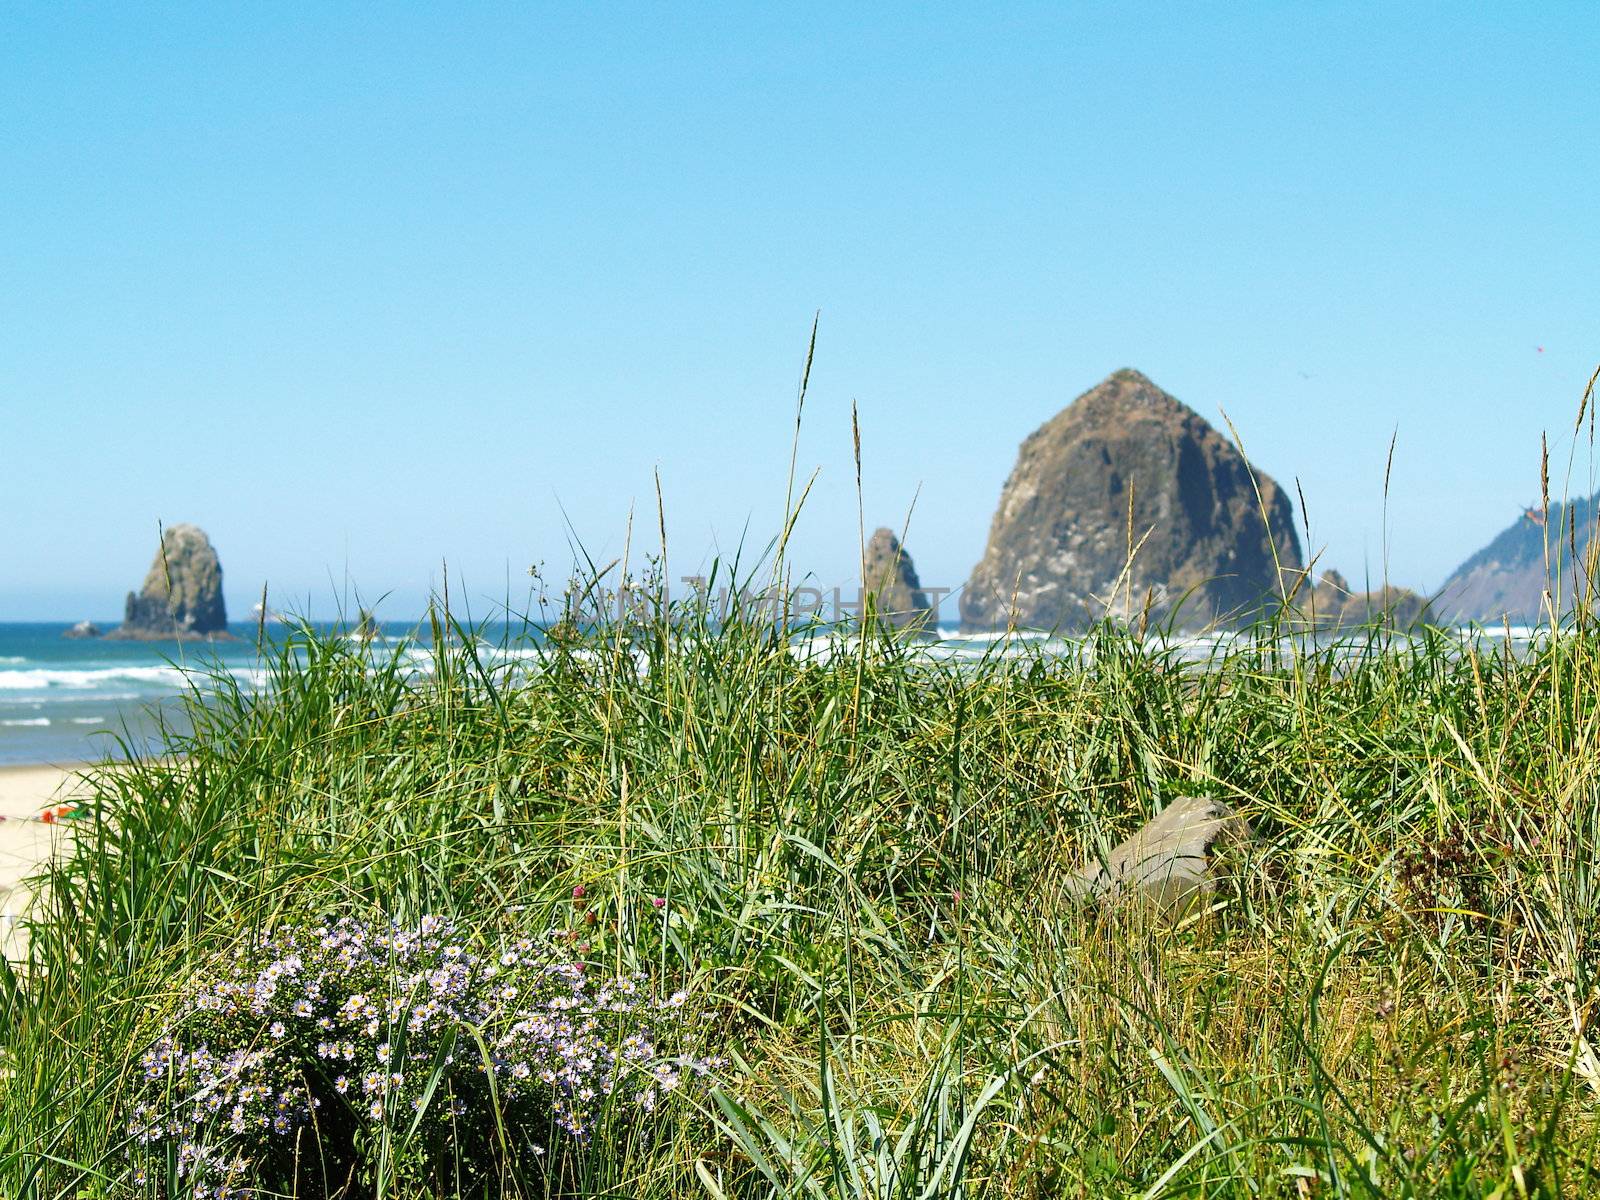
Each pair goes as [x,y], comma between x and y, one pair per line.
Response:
[182,593]
[83,629]
[1170,862]
[1212,535]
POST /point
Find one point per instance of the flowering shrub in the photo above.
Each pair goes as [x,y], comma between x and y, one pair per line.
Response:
[326,1049]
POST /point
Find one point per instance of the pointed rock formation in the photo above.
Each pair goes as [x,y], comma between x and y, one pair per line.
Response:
[1126,454]
[887,574]
[182,593]
[1508,579]
[367,628]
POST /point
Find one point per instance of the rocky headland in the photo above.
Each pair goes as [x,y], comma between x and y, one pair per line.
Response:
[1527,570]
[1128,503]
[181,598]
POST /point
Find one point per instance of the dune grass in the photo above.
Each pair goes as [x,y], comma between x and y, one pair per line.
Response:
[857,866]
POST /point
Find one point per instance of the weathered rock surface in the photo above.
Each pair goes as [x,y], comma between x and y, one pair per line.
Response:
[888,575]
[1171,861]
[1333,604]
[182,593]
[1508,579]
[1215,534]
[83,629]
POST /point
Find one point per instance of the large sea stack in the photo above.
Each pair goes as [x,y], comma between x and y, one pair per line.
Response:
[1210,537]
[888,575]
[1509,578]
[182,593]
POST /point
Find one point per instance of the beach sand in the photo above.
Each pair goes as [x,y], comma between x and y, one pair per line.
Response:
[25,792]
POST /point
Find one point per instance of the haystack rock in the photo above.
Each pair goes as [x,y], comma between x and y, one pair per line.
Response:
[887,574]
[182,593]
[1510,578]
[1212,538]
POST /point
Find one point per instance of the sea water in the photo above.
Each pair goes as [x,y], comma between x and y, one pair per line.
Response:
[76,700]
[68,701]
[79,700]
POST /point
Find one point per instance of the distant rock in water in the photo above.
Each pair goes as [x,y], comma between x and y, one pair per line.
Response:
[888,575]
[1509,578]
[83,629]
[367,628]
[1333,604]
[182,593]
[1059,544]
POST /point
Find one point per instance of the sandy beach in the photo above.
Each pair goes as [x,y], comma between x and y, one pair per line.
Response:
[25,842]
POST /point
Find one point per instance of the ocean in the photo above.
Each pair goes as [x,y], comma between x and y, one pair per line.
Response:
[69,701]
[65,701]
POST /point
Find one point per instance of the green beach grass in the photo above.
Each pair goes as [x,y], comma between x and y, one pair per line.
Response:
[858,868]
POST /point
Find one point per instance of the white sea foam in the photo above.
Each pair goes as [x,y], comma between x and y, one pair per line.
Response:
[34,721]
[61,677]
[89,720]
[41,678]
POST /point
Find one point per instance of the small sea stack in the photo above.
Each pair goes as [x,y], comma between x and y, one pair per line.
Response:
[890,579]
[83,629]
[1333,604]
[182,594]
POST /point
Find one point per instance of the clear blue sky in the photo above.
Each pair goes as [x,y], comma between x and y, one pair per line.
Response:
[362,290]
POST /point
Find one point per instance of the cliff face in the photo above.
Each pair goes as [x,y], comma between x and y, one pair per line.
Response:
[887,574]
[1215,536]
[1507,579]
[182,593]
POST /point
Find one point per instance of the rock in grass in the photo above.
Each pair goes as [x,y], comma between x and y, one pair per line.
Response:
[1127,467]
[182,593]
[1170,861]
[889,577]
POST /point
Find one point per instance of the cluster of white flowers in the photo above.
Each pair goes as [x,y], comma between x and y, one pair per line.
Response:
[336,1028]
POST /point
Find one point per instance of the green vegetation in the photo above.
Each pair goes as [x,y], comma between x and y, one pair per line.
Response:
[858,867]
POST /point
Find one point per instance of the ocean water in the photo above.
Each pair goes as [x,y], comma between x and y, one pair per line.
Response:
[71,701]
[68,701]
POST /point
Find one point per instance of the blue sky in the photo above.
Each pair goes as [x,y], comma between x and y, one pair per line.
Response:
[368,290]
